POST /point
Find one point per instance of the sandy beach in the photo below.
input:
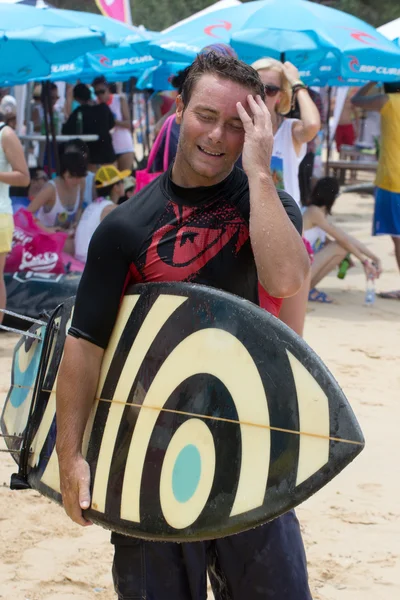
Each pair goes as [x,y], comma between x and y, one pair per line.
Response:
[351,527]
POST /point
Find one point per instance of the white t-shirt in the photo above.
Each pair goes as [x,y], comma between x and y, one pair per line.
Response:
[285,162]
[87,225]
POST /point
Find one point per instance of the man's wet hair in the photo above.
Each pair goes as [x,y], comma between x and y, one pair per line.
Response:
[225,67]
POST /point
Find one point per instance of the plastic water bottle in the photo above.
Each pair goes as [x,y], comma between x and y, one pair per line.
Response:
[370,292]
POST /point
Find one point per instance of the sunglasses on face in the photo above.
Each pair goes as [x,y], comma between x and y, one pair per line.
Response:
[100,92]
[271,90]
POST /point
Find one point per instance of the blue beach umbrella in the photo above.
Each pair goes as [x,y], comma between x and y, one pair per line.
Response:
[32,39]
[298,30]
[159,78]
[116,63]
[64,44]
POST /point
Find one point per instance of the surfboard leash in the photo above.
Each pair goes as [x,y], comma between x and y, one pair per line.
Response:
[23,318]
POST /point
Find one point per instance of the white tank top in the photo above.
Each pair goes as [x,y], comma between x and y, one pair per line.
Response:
[316,237]
[285,162]
[5,167]
[121,137]
[87,225]
[59,215]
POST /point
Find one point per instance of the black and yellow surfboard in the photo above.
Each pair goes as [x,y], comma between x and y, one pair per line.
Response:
[211,416]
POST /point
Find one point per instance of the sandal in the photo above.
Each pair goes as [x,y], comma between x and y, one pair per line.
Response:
[390,295]
[315,295]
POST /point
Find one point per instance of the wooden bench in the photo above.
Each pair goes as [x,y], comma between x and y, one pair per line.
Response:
[338,168]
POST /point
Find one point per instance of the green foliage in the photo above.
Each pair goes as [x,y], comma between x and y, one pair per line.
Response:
[88,6]
[375,12]
[159,14]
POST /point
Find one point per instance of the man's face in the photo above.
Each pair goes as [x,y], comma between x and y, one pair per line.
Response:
[211,136]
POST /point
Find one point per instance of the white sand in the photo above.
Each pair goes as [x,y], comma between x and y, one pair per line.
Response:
[351,527]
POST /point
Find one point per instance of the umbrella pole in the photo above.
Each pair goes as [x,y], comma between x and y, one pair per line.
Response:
[53,132]
[328,141]
[45,96]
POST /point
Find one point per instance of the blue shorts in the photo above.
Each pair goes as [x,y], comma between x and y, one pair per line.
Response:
[266,562]
[387,213]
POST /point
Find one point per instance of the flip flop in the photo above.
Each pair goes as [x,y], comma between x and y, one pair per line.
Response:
[395,295]
[315,295]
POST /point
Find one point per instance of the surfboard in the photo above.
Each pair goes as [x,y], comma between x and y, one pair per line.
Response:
[211,416]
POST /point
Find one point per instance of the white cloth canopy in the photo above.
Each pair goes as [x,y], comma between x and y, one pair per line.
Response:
[391,30]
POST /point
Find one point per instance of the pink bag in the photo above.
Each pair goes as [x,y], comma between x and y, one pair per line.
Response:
[144,177]
[34,249]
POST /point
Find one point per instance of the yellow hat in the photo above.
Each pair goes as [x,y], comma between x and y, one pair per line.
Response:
[108,175]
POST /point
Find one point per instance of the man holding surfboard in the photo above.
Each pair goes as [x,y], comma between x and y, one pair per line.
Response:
[203,221]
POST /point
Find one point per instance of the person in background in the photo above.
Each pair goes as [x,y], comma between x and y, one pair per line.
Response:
[89,191]
[348,127]
[39,179]
[177,82]
[4,91]
[122,134]
[283,85]
[89,118]
[58,206]
[13,171]
[129,189]
[329,243]
[38,110]
[109,189]
[387,192]
[8,111]
[306,167]
[21,197]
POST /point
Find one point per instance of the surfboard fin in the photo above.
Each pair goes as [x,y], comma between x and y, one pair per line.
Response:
[18,482]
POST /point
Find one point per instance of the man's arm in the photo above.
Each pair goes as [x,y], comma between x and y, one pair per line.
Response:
[76,389]
[96,308]
[281,259]
[374,102]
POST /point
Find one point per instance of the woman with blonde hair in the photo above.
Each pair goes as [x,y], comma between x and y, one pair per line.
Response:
[282,86]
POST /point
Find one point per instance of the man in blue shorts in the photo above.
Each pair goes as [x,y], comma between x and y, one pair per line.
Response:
[387,192]
[209,222]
